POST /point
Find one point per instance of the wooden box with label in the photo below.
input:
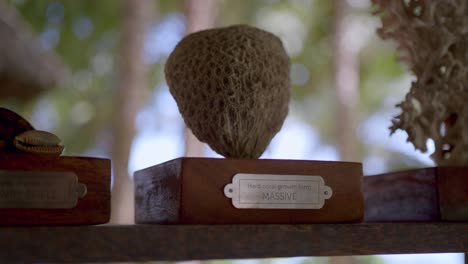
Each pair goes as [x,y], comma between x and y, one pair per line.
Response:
[48,190]
[428,194]
[248,191]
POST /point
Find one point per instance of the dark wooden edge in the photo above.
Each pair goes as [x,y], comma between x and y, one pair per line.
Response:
[147,182]
[409,195]
[446,186]
[175,243]
[452,184]
[291,160]
[402,172]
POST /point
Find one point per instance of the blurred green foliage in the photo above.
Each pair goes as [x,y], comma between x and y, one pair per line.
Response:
[86,35]
[368,260]
[81,32]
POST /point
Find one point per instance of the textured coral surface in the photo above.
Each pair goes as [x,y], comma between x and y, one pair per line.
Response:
[433,39]
[232,87]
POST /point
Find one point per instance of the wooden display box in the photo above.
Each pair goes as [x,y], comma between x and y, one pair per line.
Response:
[190,191]
[93,208]
[429,194]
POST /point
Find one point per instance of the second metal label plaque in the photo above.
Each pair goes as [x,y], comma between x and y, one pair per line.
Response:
[269,191]
[40,189]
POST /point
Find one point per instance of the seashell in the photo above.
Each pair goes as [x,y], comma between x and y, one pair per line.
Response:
[39,142]
[11,125]
[232,87]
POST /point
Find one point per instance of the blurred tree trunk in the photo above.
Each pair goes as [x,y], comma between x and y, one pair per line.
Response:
[132,80]
[201,14]
[346,82]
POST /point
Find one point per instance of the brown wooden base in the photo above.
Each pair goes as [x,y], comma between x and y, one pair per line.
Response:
[94,208]
[190,191]
[429,194]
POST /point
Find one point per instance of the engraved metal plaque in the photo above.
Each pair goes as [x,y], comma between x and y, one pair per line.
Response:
[269,191]
[40,189]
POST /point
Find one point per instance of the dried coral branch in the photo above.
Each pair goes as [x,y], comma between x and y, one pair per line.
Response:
[433,39]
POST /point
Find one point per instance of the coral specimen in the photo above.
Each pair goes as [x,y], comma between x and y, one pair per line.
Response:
[433,39]
[232,87]
[17,135]
[39,142]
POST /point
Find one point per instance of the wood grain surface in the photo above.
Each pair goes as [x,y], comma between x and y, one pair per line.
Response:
[453,193]
[401,196]
[190,191]
[428,194]
[171,242]
[94,208]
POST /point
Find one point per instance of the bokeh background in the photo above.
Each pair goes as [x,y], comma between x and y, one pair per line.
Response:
[92,72]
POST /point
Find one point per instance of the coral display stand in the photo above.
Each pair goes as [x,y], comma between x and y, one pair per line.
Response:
[193,191]
[92,175]
[430,194]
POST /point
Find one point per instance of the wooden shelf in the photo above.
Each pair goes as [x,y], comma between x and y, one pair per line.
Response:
[171,242]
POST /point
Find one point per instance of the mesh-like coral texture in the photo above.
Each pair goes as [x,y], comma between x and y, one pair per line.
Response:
[232,87]
[433,39]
